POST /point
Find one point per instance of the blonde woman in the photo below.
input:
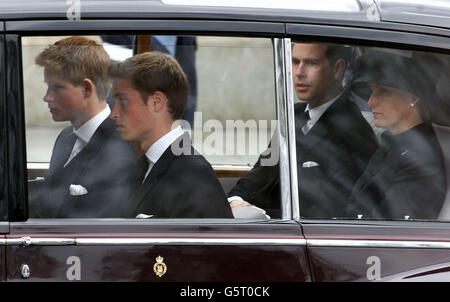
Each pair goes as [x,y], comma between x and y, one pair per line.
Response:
[405,178]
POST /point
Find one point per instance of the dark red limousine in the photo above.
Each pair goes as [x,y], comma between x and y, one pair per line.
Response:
[359,192]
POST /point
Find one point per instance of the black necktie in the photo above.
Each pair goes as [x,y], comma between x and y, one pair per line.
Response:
[301,120]
[142,168]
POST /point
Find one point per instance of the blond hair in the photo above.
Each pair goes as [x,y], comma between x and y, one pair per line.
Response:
[76,58]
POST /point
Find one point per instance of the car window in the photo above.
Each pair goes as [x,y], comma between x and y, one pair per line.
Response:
[229,116]
[372,132]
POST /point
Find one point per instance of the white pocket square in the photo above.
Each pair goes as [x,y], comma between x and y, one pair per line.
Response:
[76,190]
[310,164]
[143,216]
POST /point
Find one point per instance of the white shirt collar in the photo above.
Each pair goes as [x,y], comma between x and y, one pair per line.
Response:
[87,130]
[158,148]
[316,113]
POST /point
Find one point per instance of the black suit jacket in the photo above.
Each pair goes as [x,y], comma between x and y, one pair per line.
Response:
[330,158]
[178,186]
[102,167]
[405,177]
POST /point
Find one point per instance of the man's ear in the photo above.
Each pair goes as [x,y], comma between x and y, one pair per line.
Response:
[158,101]
[339,69]
[88,87]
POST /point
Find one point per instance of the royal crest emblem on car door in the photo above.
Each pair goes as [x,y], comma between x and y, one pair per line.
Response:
[160,268]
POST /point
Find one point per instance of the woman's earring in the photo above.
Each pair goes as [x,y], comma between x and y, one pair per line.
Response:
[412,105]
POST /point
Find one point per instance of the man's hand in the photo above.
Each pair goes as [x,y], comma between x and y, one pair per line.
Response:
[238,203]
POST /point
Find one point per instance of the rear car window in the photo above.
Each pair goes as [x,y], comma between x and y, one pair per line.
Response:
[372,132]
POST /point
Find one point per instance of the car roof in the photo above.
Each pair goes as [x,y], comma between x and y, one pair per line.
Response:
[429,12]
[435,13]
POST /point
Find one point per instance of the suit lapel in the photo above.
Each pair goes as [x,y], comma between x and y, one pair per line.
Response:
[80,162]
[325,127]
[62,150]
[143,192]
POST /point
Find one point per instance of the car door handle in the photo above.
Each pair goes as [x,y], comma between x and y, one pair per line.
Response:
[27,241]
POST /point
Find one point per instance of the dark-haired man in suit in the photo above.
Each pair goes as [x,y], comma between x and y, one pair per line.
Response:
[333,140]
[89,162]
[150,92]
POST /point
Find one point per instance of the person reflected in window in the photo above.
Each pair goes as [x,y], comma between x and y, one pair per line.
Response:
[405,178]
[89,161]
[333,140]
[182,48]
[170,180]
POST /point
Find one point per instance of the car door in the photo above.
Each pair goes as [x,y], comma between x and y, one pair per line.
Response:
[46,249]
[359,248]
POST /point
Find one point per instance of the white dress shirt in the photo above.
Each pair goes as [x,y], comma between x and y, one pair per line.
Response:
[316,113]
[86,131]
[160,146]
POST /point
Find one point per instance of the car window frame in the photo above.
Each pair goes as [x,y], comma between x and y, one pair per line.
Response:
[21,29]
[400,39]
[3,133]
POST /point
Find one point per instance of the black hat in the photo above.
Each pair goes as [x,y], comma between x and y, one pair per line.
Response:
[404,71]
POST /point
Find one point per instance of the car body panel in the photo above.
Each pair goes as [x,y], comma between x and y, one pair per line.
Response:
[431,12]
[432,273]
[125,250]
[350,251]
[377,14]
[368,35]
[153,8]
[209,250]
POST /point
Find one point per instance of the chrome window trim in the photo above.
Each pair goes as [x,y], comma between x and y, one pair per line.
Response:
[188,241]
[27,241]
[321,5]
[291,130]
[412,37]
[175,25]
[156,241]
[282,127]
[343,243]
[378,243]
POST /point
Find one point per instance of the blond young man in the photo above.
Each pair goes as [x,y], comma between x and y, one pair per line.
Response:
[89,161]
